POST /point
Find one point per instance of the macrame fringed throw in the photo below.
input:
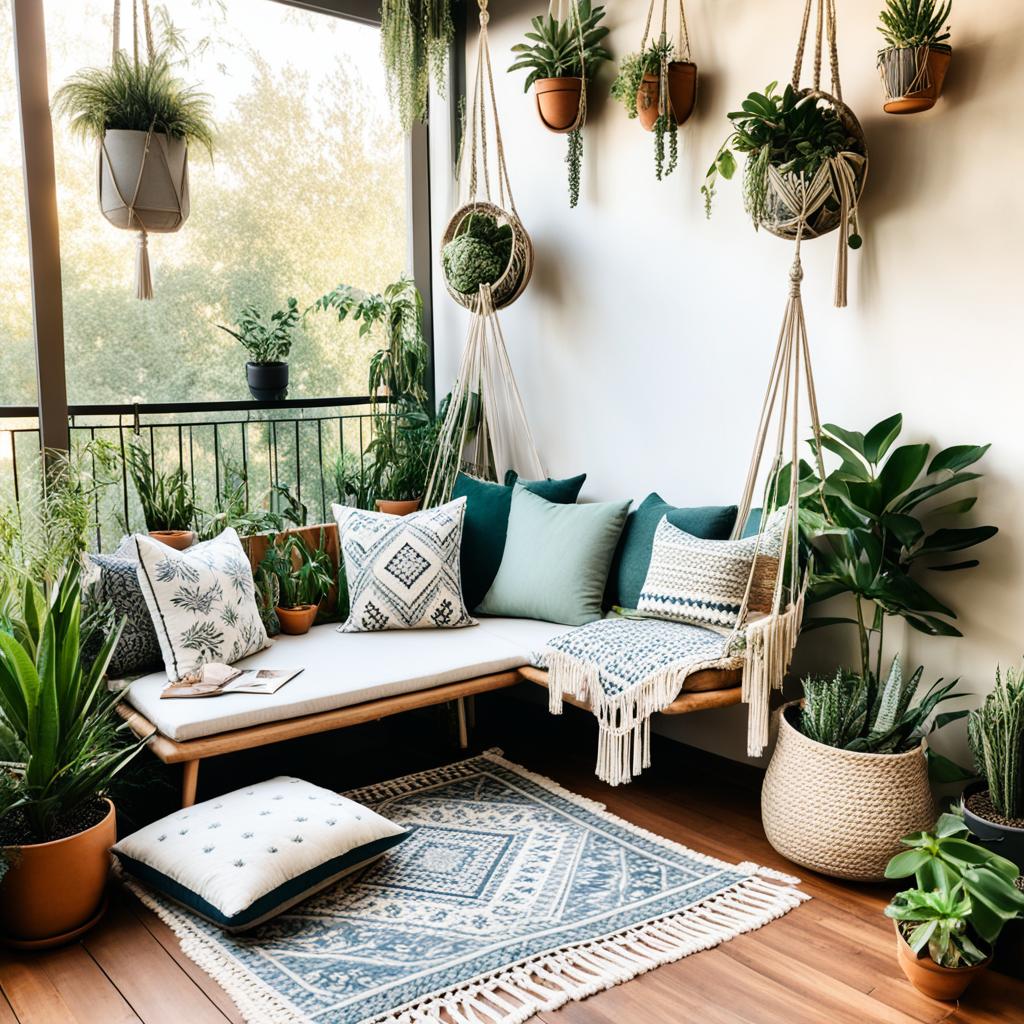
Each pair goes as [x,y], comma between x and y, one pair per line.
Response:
[143,276]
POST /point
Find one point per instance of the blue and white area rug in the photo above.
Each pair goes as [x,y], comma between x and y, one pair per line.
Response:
[511,896]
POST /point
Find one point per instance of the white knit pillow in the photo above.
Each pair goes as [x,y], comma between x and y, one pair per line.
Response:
[699,581]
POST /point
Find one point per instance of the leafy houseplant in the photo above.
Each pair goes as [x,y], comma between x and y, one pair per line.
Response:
[58,731]
[168,505]
[916,57]
[268,340]
[478,254]
[948,924]
[561,57]
[415,37]
[232,509]
[304,578]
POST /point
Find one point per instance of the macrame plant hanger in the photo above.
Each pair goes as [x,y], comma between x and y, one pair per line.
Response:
[561,10]
[485,432]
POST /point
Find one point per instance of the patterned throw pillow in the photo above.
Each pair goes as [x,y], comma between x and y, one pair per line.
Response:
[202,602]
[403,571]
[703,581]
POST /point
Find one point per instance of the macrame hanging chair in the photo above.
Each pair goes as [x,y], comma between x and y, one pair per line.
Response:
[801,207]
[673,90]
[484,431]
[142,178]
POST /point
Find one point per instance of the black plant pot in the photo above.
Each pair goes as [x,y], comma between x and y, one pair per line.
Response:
[268,382]
[1005,840]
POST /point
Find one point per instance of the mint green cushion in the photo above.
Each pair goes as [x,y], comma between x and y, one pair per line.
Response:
[556,559]
[633,557]
[483,529]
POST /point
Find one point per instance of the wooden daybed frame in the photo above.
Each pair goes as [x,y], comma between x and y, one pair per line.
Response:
[717,688]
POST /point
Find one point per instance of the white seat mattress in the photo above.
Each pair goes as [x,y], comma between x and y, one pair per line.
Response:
[341,669]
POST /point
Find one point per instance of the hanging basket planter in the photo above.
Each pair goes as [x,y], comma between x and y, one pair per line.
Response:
[682,94]
[143,181]
[558,103]
[913,77]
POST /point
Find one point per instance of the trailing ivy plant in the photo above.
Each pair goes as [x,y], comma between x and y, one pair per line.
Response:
[906,24]
[793,134]
[415,38]
[565,49]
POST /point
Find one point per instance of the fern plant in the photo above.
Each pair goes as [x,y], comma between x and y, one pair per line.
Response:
[996,735]
[906,24]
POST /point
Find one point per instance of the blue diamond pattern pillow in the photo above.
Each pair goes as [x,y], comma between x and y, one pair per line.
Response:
[403,571]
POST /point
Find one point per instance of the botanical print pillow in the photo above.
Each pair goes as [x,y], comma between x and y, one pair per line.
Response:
[702,582]
[403,571]
[202,601]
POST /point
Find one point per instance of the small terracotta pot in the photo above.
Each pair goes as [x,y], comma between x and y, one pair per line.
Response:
[945,983]
[558,102]
[296,621]
[398,508]
[53,892]
[682,94]
[924,99]
[177,539]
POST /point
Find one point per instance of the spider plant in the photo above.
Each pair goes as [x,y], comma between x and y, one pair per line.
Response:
[167,502]
[304,577]
[906,24]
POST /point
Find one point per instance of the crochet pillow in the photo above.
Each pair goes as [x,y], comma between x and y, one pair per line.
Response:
[240,859]
[702,582]
[403,571]
[202,602]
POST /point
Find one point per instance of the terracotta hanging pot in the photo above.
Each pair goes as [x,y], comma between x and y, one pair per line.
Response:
[558,102]
[298,620]
[945,983]
[53,892]
[177,539]
[682,94]
[903,69]
[398,508]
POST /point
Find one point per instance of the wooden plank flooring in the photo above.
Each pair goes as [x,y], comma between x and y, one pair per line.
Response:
[830,960]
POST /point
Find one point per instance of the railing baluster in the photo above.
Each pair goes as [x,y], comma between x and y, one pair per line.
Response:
[298,464]
[14,465]
[244,424]
[320,461]
[95,490]
[216,462]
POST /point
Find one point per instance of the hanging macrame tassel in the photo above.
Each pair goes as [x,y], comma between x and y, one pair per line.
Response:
[143,277]
[846,185]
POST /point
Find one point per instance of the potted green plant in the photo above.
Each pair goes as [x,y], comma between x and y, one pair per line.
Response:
[849,774]
[948,924]
[304,577]
[479,253]
[916,57]
[561,57]
[61,747]
[168,504]
[268,340]
[143,118]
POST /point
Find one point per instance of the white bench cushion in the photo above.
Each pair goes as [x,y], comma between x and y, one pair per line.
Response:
[341,669]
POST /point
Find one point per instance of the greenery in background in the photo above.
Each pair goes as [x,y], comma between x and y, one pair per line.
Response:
[59,729]
[404,429]
[137,96]
[910,23]
[268,599]
[303,576]
[793,134]
[232,509]
[478,254]
[963,898]
[351,480]
[167,502]
[415,38]
[267,339]
[996,735]
[871,529]
[856,712]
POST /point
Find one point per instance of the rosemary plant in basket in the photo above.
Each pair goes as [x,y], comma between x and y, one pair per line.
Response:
[562,55]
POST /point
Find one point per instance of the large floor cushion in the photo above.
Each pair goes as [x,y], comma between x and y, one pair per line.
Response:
[341,669]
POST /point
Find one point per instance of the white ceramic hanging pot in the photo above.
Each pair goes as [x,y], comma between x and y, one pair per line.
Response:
[143,181]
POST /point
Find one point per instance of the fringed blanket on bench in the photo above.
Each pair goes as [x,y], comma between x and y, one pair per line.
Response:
[626,670]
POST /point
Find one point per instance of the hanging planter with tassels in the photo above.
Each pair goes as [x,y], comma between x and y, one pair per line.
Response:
[562,57]
[658,85]
[807,160]
[144,119]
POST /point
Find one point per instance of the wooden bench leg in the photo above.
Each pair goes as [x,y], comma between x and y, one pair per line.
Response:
[460,707]
[189,782]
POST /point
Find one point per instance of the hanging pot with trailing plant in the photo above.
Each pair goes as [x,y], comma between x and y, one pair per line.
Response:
[914,63]
[658,86]
[144,120]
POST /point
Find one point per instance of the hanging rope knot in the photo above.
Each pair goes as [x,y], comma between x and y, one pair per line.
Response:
[484,16]
[796,275]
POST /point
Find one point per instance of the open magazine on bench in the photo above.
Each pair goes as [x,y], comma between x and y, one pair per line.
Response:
[216,679]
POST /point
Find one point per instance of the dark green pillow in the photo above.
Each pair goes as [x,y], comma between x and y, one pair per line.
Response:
[486,524]
[633,556]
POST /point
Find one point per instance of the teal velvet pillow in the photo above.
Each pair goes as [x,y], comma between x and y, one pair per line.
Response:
[633,557]
[556,559]
[483,529]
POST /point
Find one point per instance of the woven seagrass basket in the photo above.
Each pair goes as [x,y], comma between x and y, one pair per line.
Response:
[840,812]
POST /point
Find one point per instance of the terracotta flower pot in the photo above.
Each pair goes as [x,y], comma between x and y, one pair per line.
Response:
[398,508]
[682,94]
[177,539]
[945,983]
[298,620]
[53,892]
[558,102]
[921,99]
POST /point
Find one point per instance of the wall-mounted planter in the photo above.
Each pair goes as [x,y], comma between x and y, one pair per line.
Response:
[268,382]
[913,77]
[682,94]
[558,103]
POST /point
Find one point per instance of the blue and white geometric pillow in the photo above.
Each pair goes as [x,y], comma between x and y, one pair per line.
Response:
[202,602]
[702,582]
[403,571]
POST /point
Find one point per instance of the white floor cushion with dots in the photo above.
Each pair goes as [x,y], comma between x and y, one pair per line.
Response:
[242,858]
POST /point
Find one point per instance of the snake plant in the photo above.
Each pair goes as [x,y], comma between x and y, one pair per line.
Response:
[996,734]
[554,47]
